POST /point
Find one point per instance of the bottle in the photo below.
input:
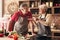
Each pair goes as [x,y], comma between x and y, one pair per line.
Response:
[6,33]
[32,5]
[51,4]
[47,3]
[2,28]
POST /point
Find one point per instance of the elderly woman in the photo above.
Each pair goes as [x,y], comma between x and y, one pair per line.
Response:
[43,23]
[42,10]
[24,14]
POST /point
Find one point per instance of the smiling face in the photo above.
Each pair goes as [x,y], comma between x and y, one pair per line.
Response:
[24,8]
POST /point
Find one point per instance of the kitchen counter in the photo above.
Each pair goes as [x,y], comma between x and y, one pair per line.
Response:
[6,38]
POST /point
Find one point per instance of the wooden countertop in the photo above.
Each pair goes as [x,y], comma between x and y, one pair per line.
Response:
[55,30]
[6,38]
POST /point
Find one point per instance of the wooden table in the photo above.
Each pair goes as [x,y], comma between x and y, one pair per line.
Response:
[55,31]
[6,38]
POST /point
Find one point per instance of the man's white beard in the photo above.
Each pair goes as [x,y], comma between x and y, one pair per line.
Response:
[23,11]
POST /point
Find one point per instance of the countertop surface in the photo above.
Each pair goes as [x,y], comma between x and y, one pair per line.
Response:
[6,38]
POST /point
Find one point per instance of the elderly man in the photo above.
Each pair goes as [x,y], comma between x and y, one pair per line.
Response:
[23,16]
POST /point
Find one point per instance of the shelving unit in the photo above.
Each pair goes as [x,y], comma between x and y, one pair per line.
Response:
[33,6]
[53,6]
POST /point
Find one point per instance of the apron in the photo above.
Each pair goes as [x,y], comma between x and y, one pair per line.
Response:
[21,26]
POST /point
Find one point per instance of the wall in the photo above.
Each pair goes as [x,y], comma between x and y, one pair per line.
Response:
[0,8]
[6,3]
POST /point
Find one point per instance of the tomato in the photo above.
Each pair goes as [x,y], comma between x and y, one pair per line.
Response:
[15,36]
[1,34]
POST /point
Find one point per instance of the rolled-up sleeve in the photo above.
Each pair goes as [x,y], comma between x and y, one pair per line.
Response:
[12,21]
[15,16]
[29,16]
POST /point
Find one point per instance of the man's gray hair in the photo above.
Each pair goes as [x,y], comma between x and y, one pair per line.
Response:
[23,5]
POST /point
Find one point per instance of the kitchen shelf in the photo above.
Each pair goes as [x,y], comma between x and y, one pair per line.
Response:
[33,5]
